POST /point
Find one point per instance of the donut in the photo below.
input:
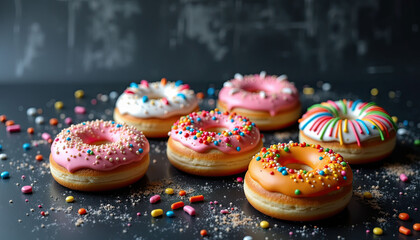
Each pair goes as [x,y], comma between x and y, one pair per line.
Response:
[153,107]
[213,143]
[361,132]
[99,155]
[298,182]
[271,102]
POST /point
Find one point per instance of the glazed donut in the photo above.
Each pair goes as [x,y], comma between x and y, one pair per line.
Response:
[99,155]
[271,102]
[298,182]
[153,108]
[362,132]
[195,147]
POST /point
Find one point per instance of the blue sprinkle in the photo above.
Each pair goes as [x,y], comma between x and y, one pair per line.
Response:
[405,122]
[284,172]
[181,95]
[321,173]
[68,139]
[90,152]
[210,91]
[231,120]
[131,145]
[230,133]
[320,158]
[5,175]
[68,131]
[170,214]
[195,137]
[345,178]
[192,121]
[282,169]
[191,129]
[244,120]
[119,125]
[253,124]
[84,123]
[216,143]
[112,122]
[213,118]
[1,147]
[179,83]
[373,126]
[140,150]
[26,146]
[198,119]
[235,129]
[145,99]
[238,149]
[134,85]
[242,134]
[258,158]
[180,132]
[188,128]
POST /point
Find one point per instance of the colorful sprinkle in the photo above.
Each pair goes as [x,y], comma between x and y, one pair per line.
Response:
[26,189]
[264,224]
[169,191]
[378,231]
[81,211]
[5,175]
[69,199]
[170,214]
[190,210]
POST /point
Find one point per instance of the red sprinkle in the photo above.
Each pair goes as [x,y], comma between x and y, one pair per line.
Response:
[82,211]
[198,198]
[13,128]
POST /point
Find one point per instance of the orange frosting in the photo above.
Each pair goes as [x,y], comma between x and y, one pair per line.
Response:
[277,169]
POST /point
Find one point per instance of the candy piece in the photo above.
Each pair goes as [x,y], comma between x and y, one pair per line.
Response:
[170,214]
[26,146]
[53,121]
[39,157]
[416,226]
[224,211]
[404,230]
[182,193]
[79,110]
[403,216]
[58,105]
[239,179]
[374,91]
[82,211]
[113,95]
[68,121]
[403,177]
[5,175]
[46,136]
[10,123]
[198,198]
[3,156]
[200,95]
[247,238]
[203,232]
[39,120]
[79,94]
[156,212]
[30,130]
[264,224]
[169,191]
[1,147]
[177,205]
[31,111]
[69,199]
[378,231]
[367,195]
[13,128]
[190,210]
[3,118]
[26,189]
[154,199]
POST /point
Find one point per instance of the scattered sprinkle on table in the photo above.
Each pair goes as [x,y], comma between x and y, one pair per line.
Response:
[203,232]
[79,94]
[170,214]
[198,198]
[5,175]
[58,105]
[39,157]
[156,212]
[182,193]
[404,230]
[378,231]
[416,227]
[69,199]
[190,210]
[177,205]
[404,216]
[169,191]
[154,199]
[26,189]
[82,211]
[367,195]
[264,224]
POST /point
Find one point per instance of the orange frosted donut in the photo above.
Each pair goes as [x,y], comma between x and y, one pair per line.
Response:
[213,143]
[298,182]
[99,155]
[361,132]
[271,102]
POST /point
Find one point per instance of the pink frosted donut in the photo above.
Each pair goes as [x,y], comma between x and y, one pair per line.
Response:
[99,155]
[271,102]
[213,143]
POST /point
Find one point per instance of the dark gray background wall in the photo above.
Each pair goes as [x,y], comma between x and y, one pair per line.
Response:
[121,40]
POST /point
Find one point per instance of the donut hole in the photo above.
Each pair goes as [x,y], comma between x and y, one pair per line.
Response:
[216,129]
[100,142]
[154,97]
[296,164]
[255,89]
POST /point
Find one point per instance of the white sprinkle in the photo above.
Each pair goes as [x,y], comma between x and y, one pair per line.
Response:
[326,87]
[233,91]
[263,74]
[39,120]
[227,84]
[282,77]
[113,95]
[239,76]
[287,90]
[3,156]
[263,94]
[31,111]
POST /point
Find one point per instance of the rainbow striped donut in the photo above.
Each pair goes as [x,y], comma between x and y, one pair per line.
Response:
[362,132]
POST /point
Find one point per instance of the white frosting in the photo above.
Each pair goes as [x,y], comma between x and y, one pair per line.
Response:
[133,104]
[348,137]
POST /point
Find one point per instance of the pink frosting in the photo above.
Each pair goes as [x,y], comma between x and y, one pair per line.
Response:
[241,134]
[73,147]
[260,93]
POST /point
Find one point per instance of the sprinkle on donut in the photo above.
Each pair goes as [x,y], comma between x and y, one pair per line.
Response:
[259,92]
[346,121]
[326,170]
[157,99]
[98,145]
[239,133]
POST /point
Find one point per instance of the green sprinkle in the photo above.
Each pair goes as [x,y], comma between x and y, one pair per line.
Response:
[326,150]
[286,149]
[297,192]
[229,145]
[343,164]
[417,142]
[305,172]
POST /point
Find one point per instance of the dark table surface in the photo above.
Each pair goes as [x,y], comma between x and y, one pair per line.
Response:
[113,215]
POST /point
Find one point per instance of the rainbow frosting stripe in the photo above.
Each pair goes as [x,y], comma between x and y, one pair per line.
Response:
[346,121]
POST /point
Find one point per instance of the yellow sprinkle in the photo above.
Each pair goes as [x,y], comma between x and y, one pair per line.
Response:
[169,191]
[374,91]
[339,132]
[156,212]
[69,199]
[208,139]
[395,119]
[58,105]
[198,134]
[367,195]
[391,94]
[308,91]
[345,125]
[264,224]
[79,94]
[378,231]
